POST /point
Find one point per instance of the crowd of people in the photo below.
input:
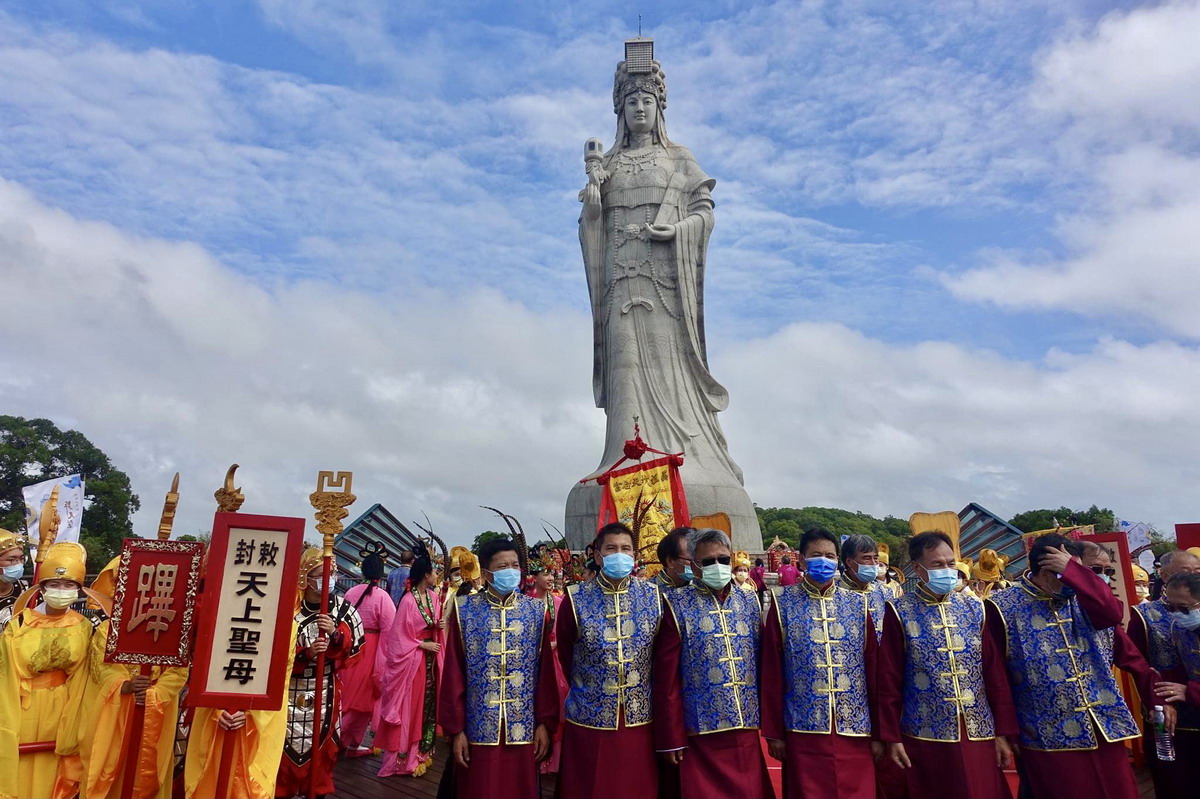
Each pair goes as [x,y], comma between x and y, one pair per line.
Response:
[633,687]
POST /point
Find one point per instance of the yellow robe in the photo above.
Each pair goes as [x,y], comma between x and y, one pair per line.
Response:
[258,747]
[44,677]
[108,715]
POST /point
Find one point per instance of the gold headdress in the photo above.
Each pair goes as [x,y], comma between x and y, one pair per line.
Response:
[468,566]
[456,554]
[310,559]
[963,567]
[66,560]
[990,568]
[884,549]
[639,72]
[1140,575]
[10,540]
[106,581]
[741,559]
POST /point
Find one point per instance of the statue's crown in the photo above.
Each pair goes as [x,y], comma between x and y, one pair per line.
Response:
[639,72]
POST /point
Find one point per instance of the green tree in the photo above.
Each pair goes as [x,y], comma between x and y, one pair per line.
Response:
[484,537]
[788,524]
[32,450]
[1044,519]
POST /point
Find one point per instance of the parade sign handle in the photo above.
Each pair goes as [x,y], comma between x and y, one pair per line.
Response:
[246,612]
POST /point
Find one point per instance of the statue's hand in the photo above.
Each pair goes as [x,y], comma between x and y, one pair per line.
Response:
[590,196]
[661,232]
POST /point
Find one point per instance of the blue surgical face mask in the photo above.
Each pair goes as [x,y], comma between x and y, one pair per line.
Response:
[820,570]
[505,581]
[716,576]
[12,573]
[942,581]
[868,573]
[618,565]
[688,575]
[1189,620]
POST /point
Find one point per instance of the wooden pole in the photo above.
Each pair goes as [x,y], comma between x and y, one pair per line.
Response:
[224,777]
[330,501]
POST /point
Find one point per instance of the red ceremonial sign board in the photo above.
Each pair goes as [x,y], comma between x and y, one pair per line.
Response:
[1187,535]
[155,603]
[1117,546]
[244,634]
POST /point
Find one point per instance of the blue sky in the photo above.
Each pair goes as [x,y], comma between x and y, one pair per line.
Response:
[1000,183]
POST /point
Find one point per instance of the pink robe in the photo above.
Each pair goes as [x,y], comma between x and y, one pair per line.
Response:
[550,764]
[360,680]
[401,711]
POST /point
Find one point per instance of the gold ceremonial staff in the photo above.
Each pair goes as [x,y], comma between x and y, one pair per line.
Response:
[330,501]
[48,522]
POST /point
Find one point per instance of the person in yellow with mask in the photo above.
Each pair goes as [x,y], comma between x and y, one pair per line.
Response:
[108,715]
[43,681]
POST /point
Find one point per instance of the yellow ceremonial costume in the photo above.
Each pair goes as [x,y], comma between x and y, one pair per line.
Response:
[109,715]
[44,680]
[741,560]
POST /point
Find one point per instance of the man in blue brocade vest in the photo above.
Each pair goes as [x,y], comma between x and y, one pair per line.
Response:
[1150,629]
[1055,627]
[499,696]
[818,669]
[945,707]
[706,715]
[606,630]
[1181,595]
[676,568]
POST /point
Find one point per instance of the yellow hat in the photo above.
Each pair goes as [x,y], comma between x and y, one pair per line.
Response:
[741,559]
[884,550]
[310,559]
[964,568]
[66,560]
[1139,574]
[1194,550]
[10,540]
[989,568]
[468,564]
[456,554]
[106,581]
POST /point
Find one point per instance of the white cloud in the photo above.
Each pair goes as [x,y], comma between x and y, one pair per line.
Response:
[169,360]
[1128,90]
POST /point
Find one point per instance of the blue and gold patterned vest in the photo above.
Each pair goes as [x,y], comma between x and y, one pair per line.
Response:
[719,657]
[877,597]
[824,667]
[1158,634]
[943,667]
[1187,649]
[1060,669]
[611,666]
[502,640]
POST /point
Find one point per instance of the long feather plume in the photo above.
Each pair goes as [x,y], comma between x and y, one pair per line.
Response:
[518,534]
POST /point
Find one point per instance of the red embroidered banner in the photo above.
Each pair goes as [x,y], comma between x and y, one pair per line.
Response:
[154,604]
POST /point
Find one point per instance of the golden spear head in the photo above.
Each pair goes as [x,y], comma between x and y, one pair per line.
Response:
[229,499]
[330,501]
[168,514]
[48,523]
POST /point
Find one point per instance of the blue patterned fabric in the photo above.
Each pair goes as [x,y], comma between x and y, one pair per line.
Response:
[502,641]
[824,666]
[1186,644]
[1158,632]
[943,667]
[1060,669]
[719,657]
[611,666]
[877,598]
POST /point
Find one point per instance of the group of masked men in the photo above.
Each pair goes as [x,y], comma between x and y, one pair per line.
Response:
[670,684]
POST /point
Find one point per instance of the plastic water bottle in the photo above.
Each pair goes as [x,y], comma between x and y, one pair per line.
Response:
[1164,748]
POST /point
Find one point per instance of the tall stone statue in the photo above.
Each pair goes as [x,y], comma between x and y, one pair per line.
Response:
[647,215]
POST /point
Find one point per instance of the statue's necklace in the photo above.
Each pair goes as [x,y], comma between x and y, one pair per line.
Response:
[634,163]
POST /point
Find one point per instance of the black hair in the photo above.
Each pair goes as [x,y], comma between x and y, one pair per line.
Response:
[1043,543]
[1189,581]
[921,543]
[758,562]
[492,548]
[614,528]
[372,568]
[421,567]
[817,534]
[671,545]
[856,545]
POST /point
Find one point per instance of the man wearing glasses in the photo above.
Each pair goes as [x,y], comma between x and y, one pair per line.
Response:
[676,566]
[706,712]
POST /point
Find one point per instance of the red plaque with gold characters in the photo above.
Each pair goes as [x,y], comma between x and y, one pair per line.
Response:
[244,632]
[155,603]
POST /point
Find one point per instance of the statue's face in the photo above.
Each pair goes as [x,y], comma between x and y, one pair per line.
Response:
[641,112]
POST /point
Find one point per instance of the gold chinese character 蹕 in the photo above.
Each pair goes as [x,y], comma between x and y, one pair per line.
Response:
[155,595]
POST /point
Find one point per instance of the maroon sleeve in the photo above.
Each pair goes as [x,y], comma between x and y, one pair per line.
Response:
[546,701]
[1097,600]
[995,672]
[1192,697]
[1127,658]
[452,693]
[770,677]
[669,732]
[889,683]
[871,666]
[1138,634]
[564,633]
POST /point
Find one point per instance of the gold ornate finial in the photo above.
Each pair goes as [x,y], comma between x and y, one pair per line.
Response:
[48,523]
[168,514]
[229,499]
[330,501]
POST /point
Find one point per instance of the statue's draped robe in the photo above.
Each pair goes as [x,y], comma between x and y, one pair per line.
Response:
[405,715]
[45,682]
[359,680]
[648,308]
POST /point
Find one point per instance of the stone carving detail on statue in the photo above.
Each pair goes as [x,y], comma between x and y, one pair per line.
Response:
[647,215]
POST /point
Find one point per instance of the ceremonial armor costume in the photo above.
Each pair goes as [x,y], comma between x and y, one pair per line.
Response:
[719,658]
[943,667]
[302,690]
[1061,672]
[824,666]
[502,641]
[6,603]
[876,596]
[612,656]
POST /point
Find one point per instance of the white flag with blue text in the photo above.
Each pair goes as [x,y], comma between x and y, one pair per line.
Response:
[70,507]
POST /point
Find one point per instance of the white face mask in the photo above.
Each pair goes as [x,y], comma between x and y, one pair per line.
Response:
[1143,590]
[59,598]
